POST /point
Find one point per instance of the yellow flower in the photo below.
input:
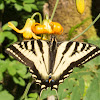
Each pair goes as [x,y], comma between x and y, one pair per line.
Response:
[26,31]
[80,6]
[48,27]
[56,28]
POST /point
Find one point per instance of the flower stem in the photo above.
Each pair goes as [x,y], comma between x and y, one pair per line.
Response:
[54,9]
[26,90]
[86,28]
[40,17]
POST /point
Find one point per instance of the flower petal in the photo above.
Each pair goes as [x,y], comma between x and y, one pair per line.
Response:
[80,6]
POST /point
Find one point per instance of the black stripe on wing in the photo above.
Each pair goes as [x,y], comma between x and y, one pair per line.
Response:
[75,49]
[80,62]
[52,51]
[42,52]
[68,45]
[40,46]
[21,58]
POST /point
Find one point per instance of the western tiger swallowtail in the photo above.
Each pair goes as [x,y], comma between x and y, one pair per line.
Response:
[50,62]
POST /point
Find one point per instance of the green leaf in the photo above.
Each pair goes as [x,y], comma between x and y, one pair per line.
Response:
[69,84]
[27,75]
[94,41]
[16,67]
[11,69]
[34,7]
[16,70]
[77,72]
[1,56]
[1,87]
[5,95]
[33,95]
[46,93]
[62,91]
[10,36]
[18,7]
[21,69]
[93,92]
[75,94]
[3,66]
[19,80]
[2,37]
[27,7]
[30,99]
[1,76]
[14,1]
[28,1]
[98,73]
[8,1]
[40,2]
[81,86]
[1,5]
[6,27]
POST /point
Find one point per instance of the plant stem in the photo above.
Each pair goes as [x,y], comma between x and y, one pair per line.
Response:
[86,28]
[40,17]
[54,9]
[27,89]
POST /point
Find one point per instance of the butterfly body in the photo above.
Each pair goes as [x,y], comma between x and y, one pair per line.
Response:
[50,62]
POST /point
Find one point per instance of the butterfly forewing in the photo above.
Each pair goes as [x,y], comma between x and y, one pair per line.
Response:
[70,55]
[34,54]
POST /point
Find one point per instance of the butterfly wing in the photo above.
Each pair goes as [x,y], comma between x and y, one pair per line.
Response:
[69,55]
[55,59]
[32,53]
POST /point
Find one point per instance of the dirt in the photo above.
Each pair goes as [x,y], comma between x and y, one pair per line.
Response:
[68,16]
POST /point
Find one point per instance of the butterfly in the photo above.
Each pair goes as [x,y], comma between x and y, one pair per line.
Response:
[50,62]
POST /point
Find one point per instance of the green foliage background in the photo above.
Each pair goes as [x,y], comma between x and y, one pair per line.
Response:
[83,83]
